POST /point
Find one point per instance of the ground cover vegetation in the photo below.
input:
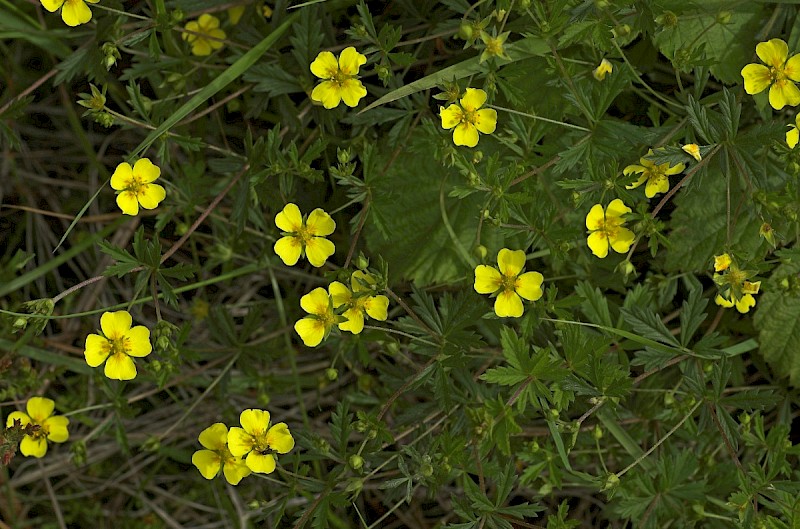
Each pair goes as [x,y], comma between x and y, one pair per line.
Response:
[491,264]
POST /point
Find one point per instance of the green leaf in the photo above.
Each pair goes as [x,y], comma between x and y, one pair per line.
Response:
[777,319]
[595,305]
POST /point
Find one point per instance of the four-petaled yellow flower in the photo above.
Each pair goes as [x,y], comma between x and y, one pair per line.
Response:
[51,427]
[743,304]
[358,302]
[256,441]
[722,262]
[340,82]
[603,69]
[118,345]
[656,176]
[468,118]
[73,12]
[304,236]
[779,74]
[509,283]
[793,134]
[205,36]
[135,187]
[606,229]
[315,327]
[216,456]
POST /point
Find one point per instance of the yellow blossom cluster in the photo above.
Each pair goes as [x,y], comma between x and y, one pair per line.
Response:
[778,73]
[204,35]
[467,118]
[118,345]
[508,283]
[654,176]
[606,231]
[339,78]
[242,450]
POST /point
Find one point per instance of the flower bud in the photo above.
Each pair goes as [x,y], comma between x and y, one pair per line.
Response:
[331,374]
[356,462]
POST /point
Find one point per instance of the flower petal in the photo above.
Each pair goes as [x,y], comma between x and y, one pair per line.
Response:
[351,92]
[254,421]
[325,65]
[96,350]
[354,322]
[340,294]
[57,428]
[146,171]
[40,408]
[207,462]
[756,78]
[239,441]
[151,195]
[510,262]
[280,439]
[595,218]
[451,116]
[473,99]
[465,134]
[598,243]
[122,175]
[75,12]
[782,93]
[377,307]
[214,437]
[656,184]
[235,471]
[289,220]
[529,285]
[319,223]
[116,324]
[120,366]
[289,249]
[328,93]
[138,341]
[350,61]
[792,68]
[773,53]
[508,305]
[487,279]
[52,5]
[201,47]
[316,302]
[318,249]
[486,120]
[261,463]
[743,305]
[30,447]
[792,136]
[623,240]
[23,419]
[616,208]
[208,22]
[128,203]
[311,331]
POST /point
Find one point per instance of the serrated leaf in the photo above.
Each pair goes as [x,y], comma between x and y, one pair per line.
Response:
[777,319]
[648,324]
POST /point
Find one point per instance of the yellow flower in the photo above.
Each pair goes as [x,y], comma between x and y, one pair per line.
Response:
[509,283]
[656,176]
[778,74]
[340,82]
[606,229]
[216,456]
[118,344]
[256,441]
[304,236]
[693,150]
[316,326]
[205,35]
[51,427]
[358,302]
[722,262]
[135,187]
[494,46]
[793,134]
[468,118]
[603,69]
[73,12]
[742,304]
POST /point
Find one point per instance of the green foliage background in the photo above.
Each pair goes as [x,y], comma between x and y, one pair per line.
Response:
[625,397]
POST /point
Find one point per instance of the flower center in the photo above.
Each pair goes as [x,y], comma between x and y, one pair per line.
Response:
[261,442]
[494,46]
[304,234]
[776,74]
[135,185]
[509,283]
[469,116]
[609,227]
[118,345]
[41,433]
